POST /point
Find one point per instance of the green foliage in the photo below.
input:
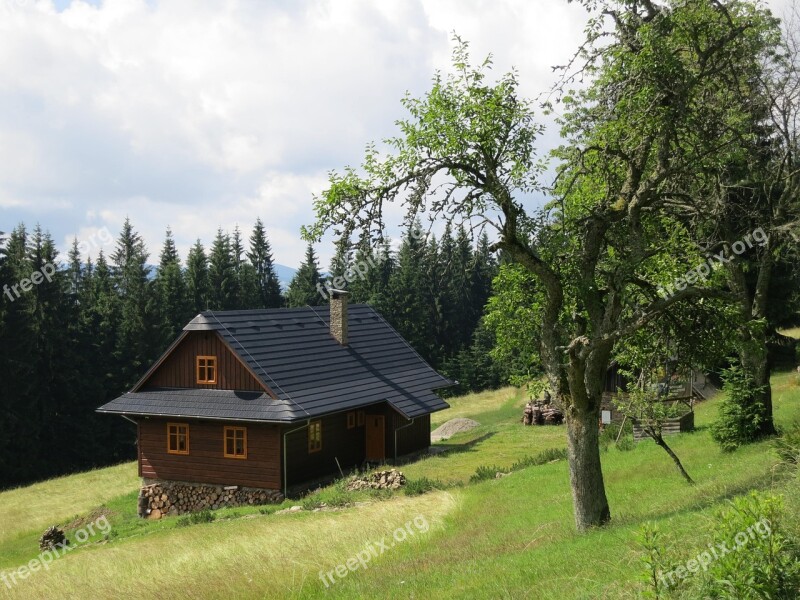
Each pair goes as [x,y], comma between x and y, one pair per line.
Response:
[765,562]
[740,417]
[654,560]
[303,287]
[787,446]
[196,518]
[421,485]
[610,433]
[625,443]
[485,472]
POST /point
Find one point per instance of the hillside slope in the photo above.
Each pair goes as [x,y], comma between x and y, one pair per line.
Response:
[509,537]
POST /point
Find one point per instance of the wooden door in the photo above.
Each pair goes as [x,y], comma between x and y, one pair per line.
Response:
[376,438]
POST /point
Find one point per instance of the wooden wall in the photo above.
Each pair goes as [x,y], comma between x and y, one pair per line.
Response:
[178,369]
[205,462]
[413,438]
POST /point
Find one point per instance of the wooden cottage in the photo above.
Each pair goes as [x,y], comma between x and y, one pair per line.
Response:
[269,399]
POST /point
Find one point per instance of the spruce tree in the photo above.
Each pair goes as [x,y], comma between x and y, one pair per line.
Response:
[197,282]
[260,257]
[304,287]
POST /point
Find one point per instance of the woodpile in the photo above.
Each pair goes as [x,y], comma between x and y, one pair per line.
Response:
[381,480]
[51,538]
[160,499]
[540,413]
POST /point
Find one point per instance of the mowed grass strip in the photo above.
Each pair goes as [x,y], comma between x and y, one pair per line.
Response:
[272,556]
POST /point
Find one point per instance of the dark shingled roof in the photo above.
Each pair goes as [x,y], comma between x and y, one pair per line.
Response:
[293,353]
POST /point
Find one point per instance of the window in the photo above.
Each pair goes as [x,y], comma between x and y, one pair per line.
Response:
[361,418]
[177,438]
[315,436]
[351,420]
[206,369]
[235,442]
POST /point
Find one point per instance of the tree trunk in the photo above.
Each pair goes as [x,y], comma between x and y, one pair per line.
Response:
[755,360]
[585,473]
[658,438]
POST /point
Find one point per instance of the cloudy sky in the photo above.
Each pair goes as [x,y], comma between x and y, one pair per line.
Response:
[200,114]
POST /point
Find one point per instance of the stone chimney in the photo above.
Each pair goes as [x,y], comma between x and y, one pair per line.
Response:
[339,315]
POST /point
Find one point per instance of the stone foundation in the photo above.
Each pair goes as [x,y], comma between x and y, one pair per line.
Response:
[162,498]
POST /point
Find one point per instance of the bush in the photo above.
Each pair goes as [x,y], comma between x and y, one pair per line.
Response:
[483,473]
[311,502]
[740,417]
[765,561]
[611,431]
[204,516]
[788,445]
[756,558]
[626,443]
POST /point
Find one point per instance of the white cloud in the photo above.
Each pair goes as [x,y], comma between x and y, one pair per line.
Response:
[200,114]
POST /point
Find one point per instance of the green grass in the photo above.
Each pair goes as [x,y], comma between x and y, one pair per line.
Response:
[501,538]
[794,332]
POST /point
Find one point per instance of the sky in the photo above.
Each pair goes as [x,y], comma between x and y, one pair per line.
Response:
[196,114]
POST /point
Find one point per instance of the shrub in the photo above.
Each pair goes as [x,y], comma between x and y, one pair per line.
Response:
[610,434]
[740,417]
[788,445]
[204,516]
[765,561]
[626,443]
[484,472]
[311,502]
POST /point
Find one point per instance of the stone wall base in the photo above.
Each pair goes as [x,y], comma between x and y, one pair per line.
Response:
[161,498]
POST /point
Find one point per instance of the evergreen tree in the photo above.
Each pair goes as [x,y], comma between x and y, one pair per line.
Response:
[260,257]
[223,288]
[138,326]
[304,287]
[171,293]
[197,283]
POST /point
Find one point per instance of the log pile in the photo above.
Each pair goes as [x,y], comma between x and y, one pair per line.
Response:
[539,413]
[51,538]
[381,480]
[167,498]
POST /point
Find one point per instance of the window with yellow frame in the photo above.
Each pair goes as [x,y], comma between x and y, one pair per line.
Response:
[314,436]
[206,369]
[235,442]
[177,438]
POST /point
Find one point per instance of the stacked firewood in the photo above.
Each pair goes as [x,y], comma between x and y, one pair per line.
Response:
[539,413]
[159,499]
[51,538]
[381,480]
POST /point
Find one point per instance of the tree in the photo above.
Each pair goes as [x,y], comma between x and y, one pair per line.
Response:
[171,294]
[260,256]
[223,289]
[304,289]
[197,283]
[594,255]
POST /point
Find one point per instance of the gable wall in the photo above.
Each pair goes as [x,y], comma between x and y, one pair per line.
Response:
[178,369]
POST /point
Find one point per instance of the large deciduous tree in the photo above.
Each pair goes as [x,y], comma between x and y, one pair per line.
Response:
[600,253]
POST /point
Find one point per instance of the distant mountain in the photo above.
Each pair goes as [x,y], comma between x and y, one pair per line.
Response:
[285,275]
